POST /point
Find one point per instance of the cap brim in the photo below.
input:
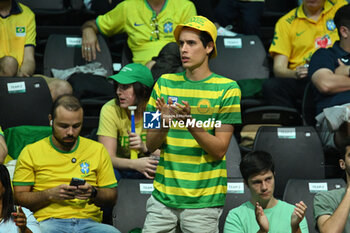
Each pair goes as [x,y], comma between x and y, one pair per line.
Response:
[122,79]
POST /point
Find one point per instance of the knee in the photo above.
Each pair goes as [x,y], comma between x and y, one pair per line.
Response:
[8,66]
[271,85]
[59,87]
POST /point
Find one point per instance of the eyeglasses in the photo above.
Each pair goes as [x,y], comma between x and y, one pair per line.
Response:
[156,28]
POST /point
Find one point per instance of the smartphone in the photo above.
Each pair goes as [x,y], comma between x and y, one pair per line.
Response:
[77,182]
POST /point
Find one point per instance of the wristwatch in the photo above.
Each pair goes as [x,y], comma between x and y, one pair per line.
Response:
[93,192]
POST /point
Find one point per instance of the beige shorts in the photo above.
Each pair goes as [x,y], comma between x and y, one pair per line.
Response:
[161,218]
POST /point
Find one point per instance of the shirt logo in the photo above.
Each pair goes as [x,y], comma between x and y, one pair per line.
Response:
[151,120]
[174,99]
[203,106]
[138,24]
[85,168]
[330,25]
[323,42]
[20,31]
[168,27]
[344,60]
[275,37]
[300,33]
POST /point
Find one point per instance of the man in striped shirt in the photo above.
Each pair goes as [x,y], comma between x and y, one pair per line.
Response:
[197,111]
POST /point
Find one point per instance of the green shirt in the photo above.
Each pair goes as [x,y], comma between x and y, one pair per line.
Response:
[325,203]
[242,219]
[187,176]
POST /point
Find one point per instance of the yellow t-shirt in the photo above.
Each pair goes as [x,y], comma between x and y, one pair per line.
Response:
[44,166]
[135,18]
[298,37]
[17,31]
[115,123]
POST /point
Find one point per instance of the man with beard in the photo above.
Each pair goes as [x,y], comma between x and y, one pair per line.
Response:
[45,169]
[332,208]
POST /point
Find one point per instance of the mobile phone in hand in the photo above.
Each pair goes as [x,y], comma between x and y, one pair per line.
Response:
[77,182]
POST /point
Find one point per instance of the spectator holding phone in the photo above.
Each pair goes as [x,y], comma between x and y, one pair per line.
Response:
[13,218]
[45,169]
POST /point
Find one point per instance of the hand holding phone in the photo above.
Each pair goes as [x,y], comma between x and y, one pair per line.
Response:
[77,181]
[20,218]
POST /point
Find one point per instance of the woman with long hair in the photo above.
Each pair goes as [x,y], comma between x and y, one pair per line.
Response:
[13,218]
[133,85]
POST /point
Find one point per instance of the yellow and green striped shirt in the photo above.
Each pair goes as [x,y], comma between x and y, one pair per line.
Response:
[187,176]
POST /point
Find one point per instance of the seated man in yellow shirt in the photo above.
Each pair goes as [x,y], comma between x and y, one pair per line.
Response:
[43,180]
[17,43]
[298,34]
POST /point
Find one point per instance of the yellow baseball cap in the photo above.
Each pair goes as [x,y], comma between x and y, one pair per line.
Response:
[202,24]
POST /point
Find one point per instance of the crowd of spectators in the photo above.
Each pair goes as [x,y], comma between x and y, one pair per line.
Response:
[172,119]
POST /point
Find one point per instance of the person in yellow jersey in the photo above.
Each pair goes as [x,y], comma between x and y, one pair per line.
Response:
[149,25]
[3,147]
[298,34]
[133,85]
[190,117]
[43,180]
[17,45]
[17,39]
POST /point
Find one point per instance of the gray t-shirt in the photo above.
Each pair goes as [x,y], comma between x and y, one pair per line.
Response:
[325,203]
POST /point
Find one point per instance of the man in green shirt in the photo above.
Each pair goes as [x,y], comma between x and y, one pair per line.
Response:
[198,110]
[264,213]
[332,208]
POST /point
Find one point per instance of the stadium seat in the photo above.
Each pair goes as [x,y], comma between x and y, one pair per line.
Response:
[24,101]
[237,194]
[130,211]
[240,57]
[46,7]
[296,151]
[255,117]
[68,49]
[305,189]
[308,106]
[233,158]
[272,115]
[92,108]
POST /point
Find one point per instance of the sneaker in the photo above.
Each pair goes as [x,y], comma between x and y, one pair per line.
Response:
[226,31]
[335,116]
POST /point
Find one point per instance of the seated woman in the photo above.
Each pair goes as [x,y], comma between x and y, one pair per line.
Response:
[13,218]
[133,85]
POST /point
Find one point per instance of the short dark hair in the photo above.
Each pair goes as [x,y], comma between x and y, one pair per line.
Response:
[68,101]
[341,152]
[7,199]
[142,92]
[256,162]
[206,38]
[342,17]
